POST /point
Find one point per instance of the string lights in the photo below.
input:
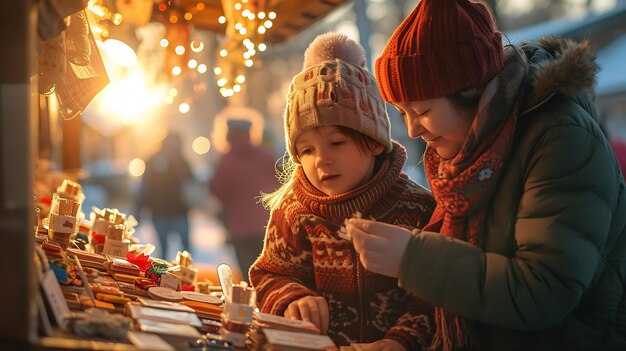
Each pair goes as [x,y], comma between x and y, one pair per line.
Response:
[247,23]
[183,57]
[102,17]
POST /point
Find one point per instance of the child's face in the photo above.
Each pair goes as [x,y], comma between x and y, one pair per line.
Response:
[333,162]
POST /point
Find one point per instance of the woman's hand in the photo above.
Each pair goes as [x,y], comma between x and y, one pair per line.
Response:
[385,345]
[312,309]
[380,245]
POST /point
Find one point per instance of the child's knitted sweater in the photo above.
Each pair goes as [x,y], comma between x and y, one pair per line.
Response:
[303,256]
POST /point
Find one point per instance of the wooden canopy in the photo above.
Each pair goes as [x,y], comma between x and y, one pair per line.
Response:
[292,17]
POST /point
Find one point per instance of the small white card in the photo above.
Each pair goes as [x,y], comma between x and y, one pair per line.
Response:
[116,248]
[63,224]
[169,280]
[146,341]
[54,296]
[189,275]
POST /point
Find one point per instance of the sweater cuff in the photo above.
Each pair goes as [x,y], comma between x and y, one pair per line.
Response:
[278,303]
[411,339]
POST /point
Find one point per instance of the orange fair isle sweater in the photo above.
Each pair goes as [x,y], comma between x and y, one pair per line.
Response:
[304,256]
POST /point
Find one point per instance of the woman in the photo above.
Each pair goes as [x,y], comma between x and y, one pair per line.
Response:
[525,248]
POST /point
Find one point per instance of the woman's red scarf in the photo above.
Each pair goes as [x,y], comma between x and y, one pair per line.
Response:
[464,186]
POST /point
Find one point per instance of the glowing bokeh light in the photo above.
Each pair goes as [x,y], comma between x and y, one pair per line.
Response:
[129,100]
[201,145]
[196,45]
[120,53]
[183,108]
[136,167]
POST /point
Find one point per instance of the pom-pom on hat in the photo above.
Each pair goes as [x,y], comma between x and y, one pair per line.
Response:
[335,89]
[442,47]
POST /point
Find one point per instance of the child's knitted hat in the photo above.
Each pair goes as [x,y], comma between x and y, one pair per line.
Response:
[334,89]
[442,47]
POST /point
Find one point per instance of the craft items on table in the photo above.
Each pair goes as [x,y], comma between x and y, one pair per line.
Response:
[144,283]
[89,259]
[156,268]
[279,340]
[271,332]
[71,190]
[174,333]
[62,220]
[205,310]
[132,290]
[188,274]
[164,294]
[148,342]
[166,305]
[114,227]
[97,322]
[111,275]
[164,315]
[114,243]
[237,317]
[272,321]
[98,234]
[200,297]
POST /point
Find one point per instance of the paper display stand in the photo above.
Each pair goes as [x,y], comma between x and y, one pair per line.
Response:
[225,275]
[54,296]
[83,277]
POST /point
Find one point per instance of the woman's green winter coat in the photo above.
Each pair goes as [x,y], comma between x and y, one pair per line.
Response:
[552,272]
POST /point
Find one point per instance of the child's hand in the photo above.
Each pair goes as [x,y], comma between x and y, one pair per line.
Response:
[385,345]
[380,245]
[312,309]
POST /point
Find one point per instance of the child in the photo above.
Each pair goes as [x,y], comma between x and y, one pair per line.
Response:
[343,162]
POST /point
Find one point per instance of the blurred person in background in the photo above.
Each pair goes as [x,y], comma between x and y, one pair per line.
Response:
[162,192]
[241,175]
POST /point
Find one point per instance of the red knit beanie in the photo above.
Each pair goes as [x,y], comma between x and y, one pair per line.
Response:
[442,47]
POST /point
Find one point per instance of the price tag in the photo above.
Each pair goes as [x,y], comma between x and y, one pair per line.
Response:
[115,248]
[54,296]
[189,275]
[169,280]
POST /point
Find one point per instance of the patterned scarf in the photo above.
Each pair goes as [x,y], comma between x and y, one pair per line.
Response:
[464,185]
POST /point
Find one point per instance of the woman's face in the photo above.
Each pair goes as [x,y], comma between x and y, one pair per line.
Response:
[438,122]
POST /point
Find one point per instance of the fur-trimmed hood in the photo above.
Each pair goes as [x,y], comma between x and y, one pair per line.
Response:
[558,65]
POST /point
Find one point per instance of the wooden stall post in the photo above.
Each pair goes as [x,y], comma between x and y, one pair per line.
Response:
[18,130]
